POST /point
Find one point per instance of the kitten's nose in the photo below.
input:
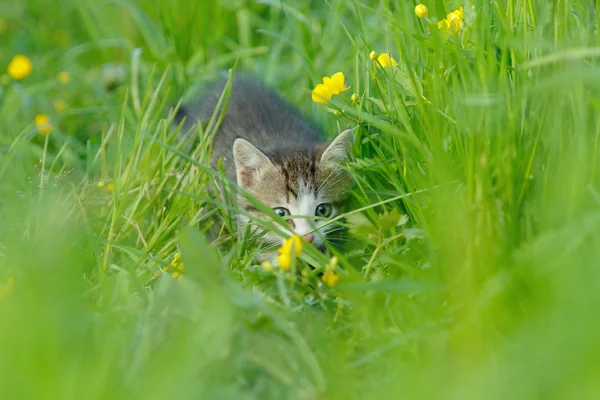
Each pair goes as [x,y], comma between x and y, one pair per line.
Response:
[309,238]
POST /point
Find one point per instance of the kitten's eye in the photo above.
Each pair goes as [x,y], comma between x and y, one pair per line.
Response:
[324,210]
[282,212]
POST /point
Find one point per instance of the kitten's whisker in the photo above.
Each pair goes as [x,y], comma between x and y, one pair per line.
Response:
[336,238]
[327,183]
[271,247]
[334,230]
[331,185]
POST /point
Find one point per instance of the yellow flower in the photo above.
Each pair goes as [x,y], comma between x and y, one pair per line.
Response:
[330,277]
[373,55]
[60,106]
[100,184]
[110,186]
[336,83]
[292,247]
[321,94]
[267,266]
[19,67]
[386,60]
[175,267]
[64,77]
[453,22]
[421,11]
[43,125]
[330,86]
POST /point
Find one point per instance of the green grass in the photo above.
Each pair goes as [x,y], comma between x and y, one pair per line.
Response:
[488,143]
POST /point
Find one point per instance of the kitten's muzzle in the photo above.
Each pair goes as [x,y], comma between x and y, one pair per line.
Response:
[309,238]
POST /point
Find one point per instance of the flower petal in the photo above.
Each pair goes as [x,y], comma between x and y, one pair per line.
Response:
[335,83]
[330,278]
[19,67]
[321,93]
[386,61]
[296,241]
[284,260]
[455,20]
[43,125]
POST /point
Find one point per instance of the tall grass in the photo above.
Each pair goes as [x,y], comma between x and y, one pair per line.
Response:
[471,268]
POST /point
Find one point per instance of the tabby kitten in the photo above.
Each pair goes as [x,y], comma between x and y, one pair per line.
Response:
[278,156]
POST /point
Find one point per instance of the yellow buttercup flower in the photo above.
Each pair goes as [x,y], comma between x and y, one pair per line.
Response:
[64,77]
[330,86]
[336,83]
[321,93]
[460,13]
[19,67]
[175,267]
[110,187]
[43,125]
[267,266]
[453,22]
[292,247]
[386,60]
[330,277]
[421,11]
[100,184]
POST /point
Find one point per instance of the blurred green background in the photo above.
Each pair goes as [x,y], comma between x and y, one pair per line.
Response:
[473,264]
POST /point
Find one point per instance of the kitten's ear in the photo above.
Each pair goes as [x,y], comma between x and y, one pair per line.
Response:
[339,149]
[248,161]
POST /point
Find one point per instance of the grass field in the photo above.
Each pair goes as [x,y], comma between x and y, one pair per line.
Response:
[472,267]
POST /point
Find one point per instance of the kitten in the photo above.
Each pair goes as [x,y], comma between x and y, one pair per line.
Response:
[278,156]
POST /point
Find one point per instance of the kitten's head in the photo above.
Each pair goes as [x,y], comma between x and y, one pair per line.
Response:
[299,183]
